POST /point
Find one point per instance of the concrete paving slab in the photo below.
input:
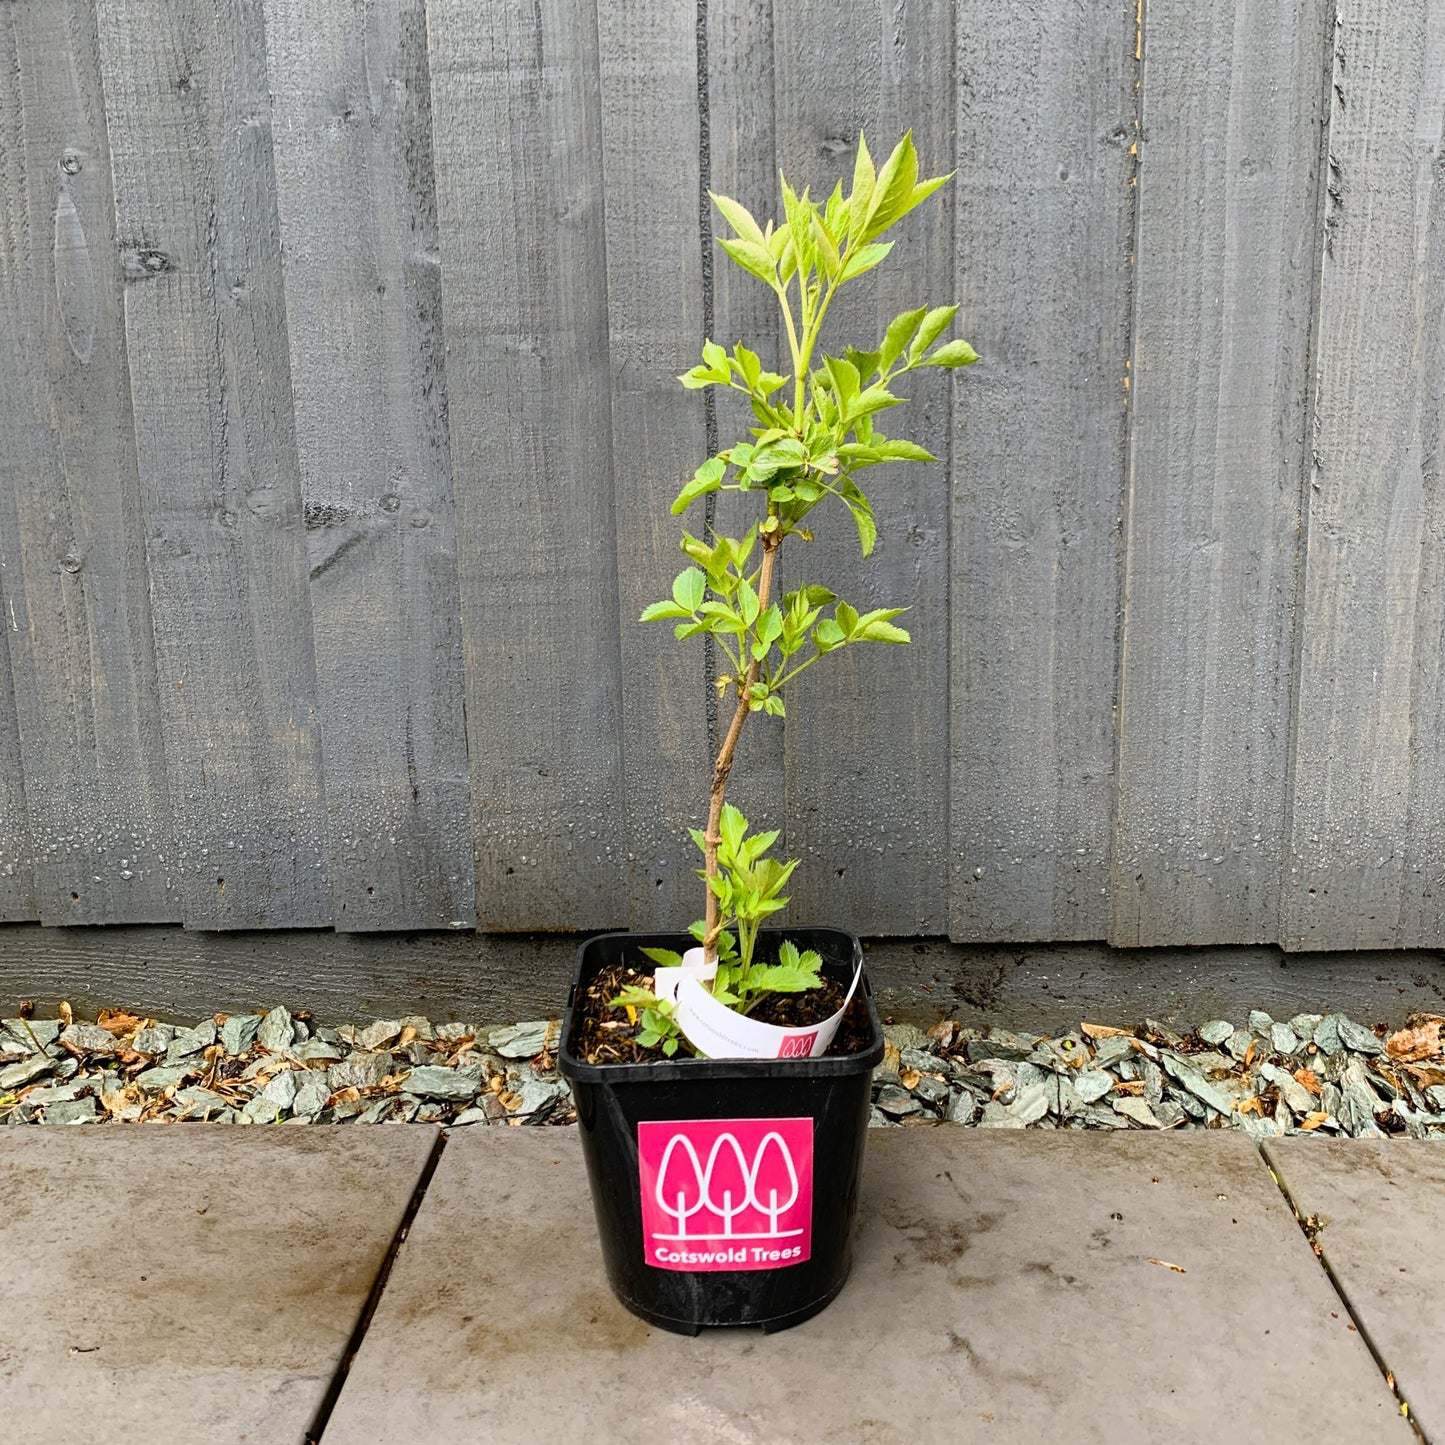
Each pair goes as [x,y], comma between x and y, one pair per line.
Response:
[186,1283]
[1381,1208]
[1008,1287]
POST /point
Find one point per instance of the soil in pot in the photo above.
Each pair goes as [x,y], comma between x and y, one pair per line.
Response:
[604,1035]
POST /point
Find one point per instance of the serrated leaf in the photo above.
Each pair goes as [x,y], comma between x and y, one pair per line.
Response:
[881,632]
[929,331]
[754,258]
[862,194]
[748,364]
[862,512]
[707,478]
[684,630]
[697,378]
[901,330]
[865,362]
[663,957]
[828,635]
[664,612]
[847,618]
[951,354]
[895,449]
[865,259]
[770,626]
[689,587]
[747,602]
[732,827]
[784,978]
[739,218]
[635,995]
[876,398]
[715,357]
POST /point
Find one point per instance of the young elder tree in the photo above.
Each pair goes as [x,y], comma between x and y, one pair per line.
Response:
[816,432]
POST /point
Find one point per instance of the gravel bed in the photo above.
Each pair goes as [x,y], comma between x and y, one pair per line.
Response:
[1313,1073]
[279,1068]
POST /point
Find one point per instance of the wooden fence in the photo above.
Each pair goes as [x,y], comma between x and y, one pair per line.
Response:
[338,419]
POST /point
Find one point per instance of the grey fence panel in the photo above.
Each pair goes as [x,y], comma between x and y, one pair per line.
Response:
[519,195]
[1046,127]
[186,95]
[77,617]
[648,62]
[741,159]
[351,121]
[1226,279]
[867,748]
[1367,849]
[17,883]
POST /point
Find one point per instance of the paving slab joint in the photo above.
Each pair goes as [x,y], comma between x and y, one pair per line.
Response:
[317,1427]
[1311,1228]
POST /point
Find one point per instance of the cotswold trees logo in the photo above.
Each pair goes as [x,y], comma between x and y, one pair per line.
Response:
[726,1193]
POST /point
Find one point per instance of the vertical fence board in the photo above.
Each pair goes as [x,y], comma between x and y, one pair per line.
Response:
[17,890]
[1043,228]
[351,116]
[185,89]
[519,196]
[867,745]
[741,153]
[654,293]
[1367,851]
[1225,288]
[78,620]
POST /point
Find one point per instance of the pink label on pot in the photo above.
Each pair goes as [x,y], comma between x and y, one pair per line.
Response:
[726,1193]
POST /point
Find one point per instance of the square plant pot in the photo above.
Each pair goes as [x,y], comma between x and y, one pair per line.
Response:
[725,1190]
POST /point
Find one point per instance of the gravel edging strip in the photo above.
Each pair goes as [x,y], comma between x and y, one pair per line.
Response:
[1312,1073]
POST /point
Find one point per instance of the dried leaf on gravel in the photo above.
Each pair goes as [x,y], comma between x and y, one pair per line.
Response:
[1308,1079]
[1313,1121]
[118,1022]
[1177,1268]
[1419,1039]
[1102,1031]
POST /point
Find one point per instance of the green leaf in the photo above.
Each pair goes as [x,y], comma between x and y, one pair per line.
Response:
[876,398]
[747,602]
[930,330]
[707,478]
[770,626]
[754,258]
[847,617]
[716,358]
[828,635]
[739,218]
[773,705]
[866,362]
[901,331]
[786,977]
[862,196]
[881,632]
[635,996]
[732,827]
[684,630]
[669,1045]
[895,449]
[951,354]
[748,364]
[689,588]
[664,612]
[865,259]
[862,512]
[844,378]
[698,377]
[664,957]
[893,186]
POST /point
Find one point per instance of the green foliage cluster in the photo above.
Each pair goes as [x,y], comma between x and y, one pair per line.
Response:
[816,431]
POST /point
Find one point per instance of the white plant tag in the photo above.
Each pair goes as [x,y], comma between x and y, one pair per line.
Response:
[718,1032]
[694,962]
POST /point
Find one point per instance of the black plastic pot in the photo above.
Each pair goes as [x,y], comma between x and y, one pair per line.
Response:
[672,1146]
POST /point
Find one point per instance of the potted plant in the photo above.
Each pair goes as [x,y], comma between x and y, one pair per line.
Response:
[723,1089]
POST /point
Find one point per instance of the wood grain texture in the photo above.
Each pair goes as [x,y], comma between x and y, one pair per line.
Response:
[517,118]
[17,877]
[1046,109]
[868,735]
[1225,287]
[1366,865]
[71,540]
[186,95]
[741,160]
[351,116]
[650,146]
